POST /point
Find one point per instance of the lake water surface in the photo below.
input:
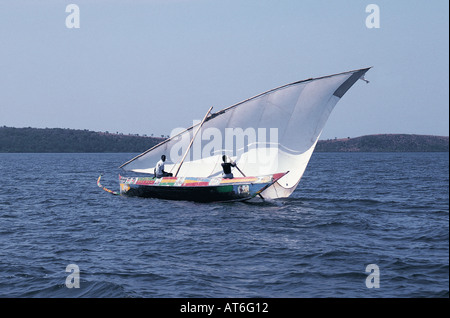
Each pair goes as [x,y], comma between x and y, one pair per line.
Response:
[350,210]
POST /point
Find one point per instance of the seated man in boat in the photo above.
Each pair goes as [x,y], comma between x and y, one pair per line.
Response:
[159,169]
[226,166]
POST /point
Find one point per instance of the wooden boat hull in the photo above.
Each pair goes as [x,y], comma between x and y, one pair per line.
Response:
[197,189]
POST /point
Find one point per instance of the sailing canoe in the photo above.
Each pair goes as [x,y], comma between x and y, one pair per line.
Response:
[216,189]
[271,132]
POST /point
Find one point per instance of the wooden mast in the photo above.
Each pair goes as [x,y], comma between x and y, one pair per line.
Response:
[192,140]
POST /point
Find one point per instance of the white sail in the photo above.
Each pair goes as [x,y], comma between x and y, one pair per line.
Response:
[273,132]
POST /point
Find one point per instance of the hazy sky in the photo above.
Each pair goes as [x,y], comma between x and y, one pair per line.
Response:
[147,67]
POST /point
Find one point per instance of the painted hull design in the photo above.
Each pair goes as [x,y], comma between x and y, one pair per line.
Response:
[197,189]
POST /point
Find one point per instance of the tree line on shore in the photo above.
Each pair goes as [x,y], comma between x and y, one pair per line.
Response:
[72,140]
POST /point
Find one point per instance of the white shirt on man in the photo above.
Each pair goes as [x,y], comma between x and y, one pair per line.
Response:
[159,169]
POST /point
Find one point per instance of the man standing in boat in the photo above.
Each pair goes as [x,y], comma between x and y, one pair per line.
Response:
[226,166]
[159,169]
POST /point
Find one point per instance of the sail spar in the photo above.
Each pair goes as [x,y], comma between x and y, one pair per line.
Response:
[272,132]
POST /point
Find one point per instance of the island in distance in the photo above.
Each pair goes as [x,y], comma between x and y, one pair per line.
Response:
[57,140]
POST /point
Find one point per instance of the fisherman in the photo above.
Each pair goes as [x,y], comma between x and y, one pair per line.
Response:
[226,166]
[159,169]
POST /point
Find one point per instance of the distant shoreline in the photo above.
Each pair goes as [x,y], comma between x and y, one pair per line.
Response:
[59,140]
[386,143]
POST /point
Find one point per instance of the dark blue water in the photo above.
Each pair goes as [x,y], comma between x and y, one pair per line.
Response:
[350,210]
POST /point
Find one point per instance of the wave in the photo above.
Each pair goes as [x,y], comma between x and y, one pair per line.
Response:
[95,289]
[335,200]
